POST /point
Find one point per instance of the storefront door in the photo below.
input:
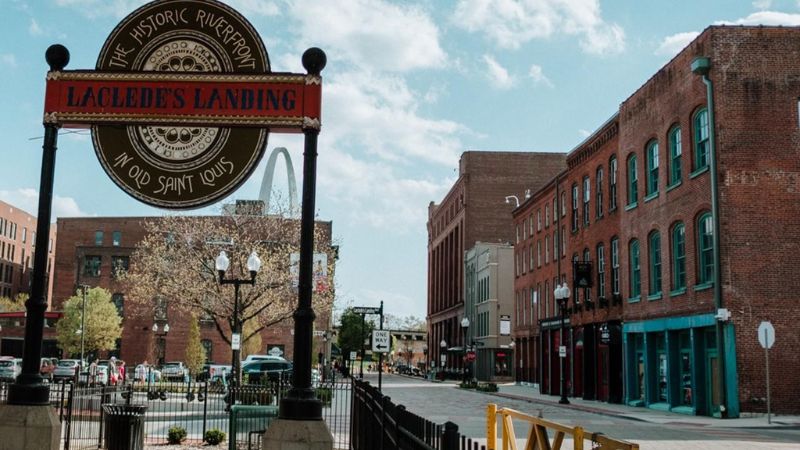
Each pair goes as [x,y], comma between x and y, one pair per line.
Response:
[602,373]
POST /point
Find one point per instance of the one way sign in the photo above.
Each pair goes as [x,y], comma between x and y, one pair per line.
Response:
[381,341]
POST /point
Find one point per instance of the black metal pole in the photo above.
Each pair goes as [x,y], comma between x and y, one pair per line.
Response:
[361,372]
[301,403]
[563,400]
[29,388]
[464,359]
[237,329]
[380,356]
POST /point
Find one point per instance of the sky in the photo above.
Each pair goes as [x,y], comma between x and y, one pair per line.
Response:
[409,86]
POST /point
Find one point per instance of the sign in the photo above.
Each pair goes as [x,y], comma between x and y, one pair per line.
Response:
[319,276]
[505,325]
[443,359]
[583,274]
[766,335]
[562,351]
[605,335]
[381,341]
[275,351]
[353,356]
[236,341]
[470,356]
[182,102]
[365,310]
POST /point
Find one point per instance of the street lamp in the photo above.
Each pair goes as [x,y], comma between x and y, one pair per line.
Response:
[443,354]
[162,351]
[465,327]
[253,265]
[425,355]
[561,294]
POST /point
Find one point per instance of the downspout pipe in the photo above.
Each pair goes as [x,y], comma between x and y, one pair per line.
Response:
[701,66]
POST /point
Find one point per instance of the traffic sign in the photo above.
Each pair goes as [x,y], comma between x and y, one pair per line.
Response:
[366,310]
[381,341]
[236,340]
[562,351]
[766,334]
[470,356]
[353,356]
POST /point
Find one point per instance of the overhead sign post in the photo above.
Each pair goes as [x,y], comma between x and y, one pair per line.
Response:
[180,106]
[766,337]
[364,310]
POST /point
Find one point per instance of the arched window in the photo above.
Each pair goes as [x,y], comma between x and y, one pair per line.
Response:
[654,277]
[652,168]
[612,183]
[701,143]
[675,152]
[678,257]
[599,195]
[635,285]
[705,249]
[633,180]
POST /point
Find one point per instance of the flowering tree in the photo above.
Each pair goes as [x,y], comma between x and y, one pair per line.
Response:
[102,322]
[174,266]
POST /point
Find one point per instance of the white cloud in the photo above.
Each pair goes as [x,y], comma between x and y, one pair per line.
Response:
[8,60]
[255,7]
[584,133]
[762,4]
[102,8]
[765,18]
[34,29]
[537,75]
[671,45]
[511,23]
[27,199]
[498,74]
[371,33]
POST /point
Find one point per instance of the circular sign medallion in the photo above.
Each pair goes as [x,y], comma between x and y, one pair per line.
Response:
[181,166]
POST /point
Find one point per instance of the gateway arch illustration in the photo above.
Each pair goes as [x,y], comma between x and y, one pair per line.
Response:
[269,173]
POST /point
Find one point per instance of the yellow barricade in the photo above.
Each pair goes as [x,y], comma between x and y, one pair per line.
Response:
[538,436]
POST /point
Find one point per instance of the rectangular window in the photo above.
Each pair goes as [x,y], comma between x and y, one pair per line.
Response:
[706,249]
[91,265]
[98,238]
[574,207]
[586,258]
[119,302]
[531,223]
[539,253]
[701,142]
[555,210]
[517,233]
[586,195]
[563,204]
[538,220]
[547,299]
[555,245]
[119,265]
[654,280]
[612,184]
[116,238]
[563,241]
[601,272]
[599,186]
[652,168]
[678,257]
[615,266]
[546,216]
[675,156]
[633,186]
[635,281]
[546,249]
[530,252]
[24,235]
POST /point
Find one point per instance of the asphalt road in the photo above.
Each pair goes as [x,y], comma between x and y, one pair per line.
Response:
[445,402]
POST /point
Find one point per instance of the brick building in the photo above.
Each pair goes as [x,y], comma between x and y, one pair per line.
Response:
[687,218]
[473,210]
[17,244]
[91,247]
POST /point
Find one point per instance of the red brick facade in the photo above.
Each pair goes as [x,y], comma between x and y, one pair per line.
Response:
[138,339]
[677,355]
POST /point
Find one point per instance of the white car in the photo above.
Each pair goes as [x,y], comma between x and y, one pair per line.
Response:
[174,371]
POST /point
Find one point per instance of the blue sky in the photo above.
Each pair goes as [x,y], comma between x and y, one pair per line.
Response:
[409,86]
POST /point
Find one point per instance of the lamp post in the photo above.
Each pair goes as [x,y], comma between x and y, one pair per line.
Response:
[561,294]
[465,327]
[442,355]
[425,355]
[253,266]
[163,349]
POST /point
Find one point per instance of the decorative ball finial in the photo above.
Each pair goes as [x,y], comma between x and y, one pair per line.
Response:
[57,56]
[314,60]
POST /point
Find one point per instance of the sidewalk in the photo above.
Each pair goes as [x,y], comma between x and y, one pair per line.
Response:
[749,420]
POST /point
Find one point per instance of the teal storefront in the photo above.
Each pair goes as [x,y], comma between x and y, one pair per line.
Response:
[672,364]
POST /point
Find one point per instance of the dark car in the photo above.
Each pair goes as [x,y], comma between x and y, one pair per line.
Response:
[259,371]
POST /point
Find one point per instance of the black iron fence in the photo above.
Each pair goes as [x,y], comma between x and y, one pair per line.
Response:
[377,423]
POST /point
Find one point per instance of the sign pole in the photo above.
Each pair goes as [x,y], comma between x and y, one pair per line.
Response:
[29,388]
[380,355]
[766,355]
[301,402]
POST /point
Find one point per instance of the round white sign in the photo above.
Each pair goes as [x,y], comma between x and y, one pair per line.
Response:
[766,334]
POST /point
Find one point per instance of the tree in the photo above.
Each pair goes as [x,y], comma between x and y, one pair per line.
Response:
[251,345]
[408,323]
[15,304]
[351,337]
[102,322]
[195,353]
[174,263]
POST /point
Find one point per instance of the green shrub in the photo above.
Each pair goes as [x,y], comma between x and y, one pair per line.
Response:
[214,436]
[176,434]
[468,385]
[324,394]
[487,387]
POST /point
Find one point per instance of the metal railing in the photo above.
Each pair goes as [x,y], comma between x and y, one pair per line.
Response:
[538,437]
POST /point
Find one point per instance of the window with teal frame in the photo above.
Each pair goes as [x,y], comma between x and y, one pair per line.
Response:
[705,248]
[654,279]
[652,168]
[635,287]
[678,257]
[599,195]
[675,156]
[612,183]
[701,142]
[615,265]
[633,186]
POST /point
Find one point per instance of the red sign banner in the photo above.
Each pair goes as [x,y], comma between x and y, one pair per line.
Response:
[281,102]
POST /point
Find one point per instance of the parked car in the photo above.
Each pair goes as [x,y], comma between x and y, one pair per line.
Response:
[66,369]
[252,358]
[10,369]
[218,373]
[141,372]
[174,371]
[258,371]
[46,368]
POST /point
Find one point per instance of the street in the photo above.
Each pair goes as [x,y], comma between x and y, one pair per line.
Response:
[442,402]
